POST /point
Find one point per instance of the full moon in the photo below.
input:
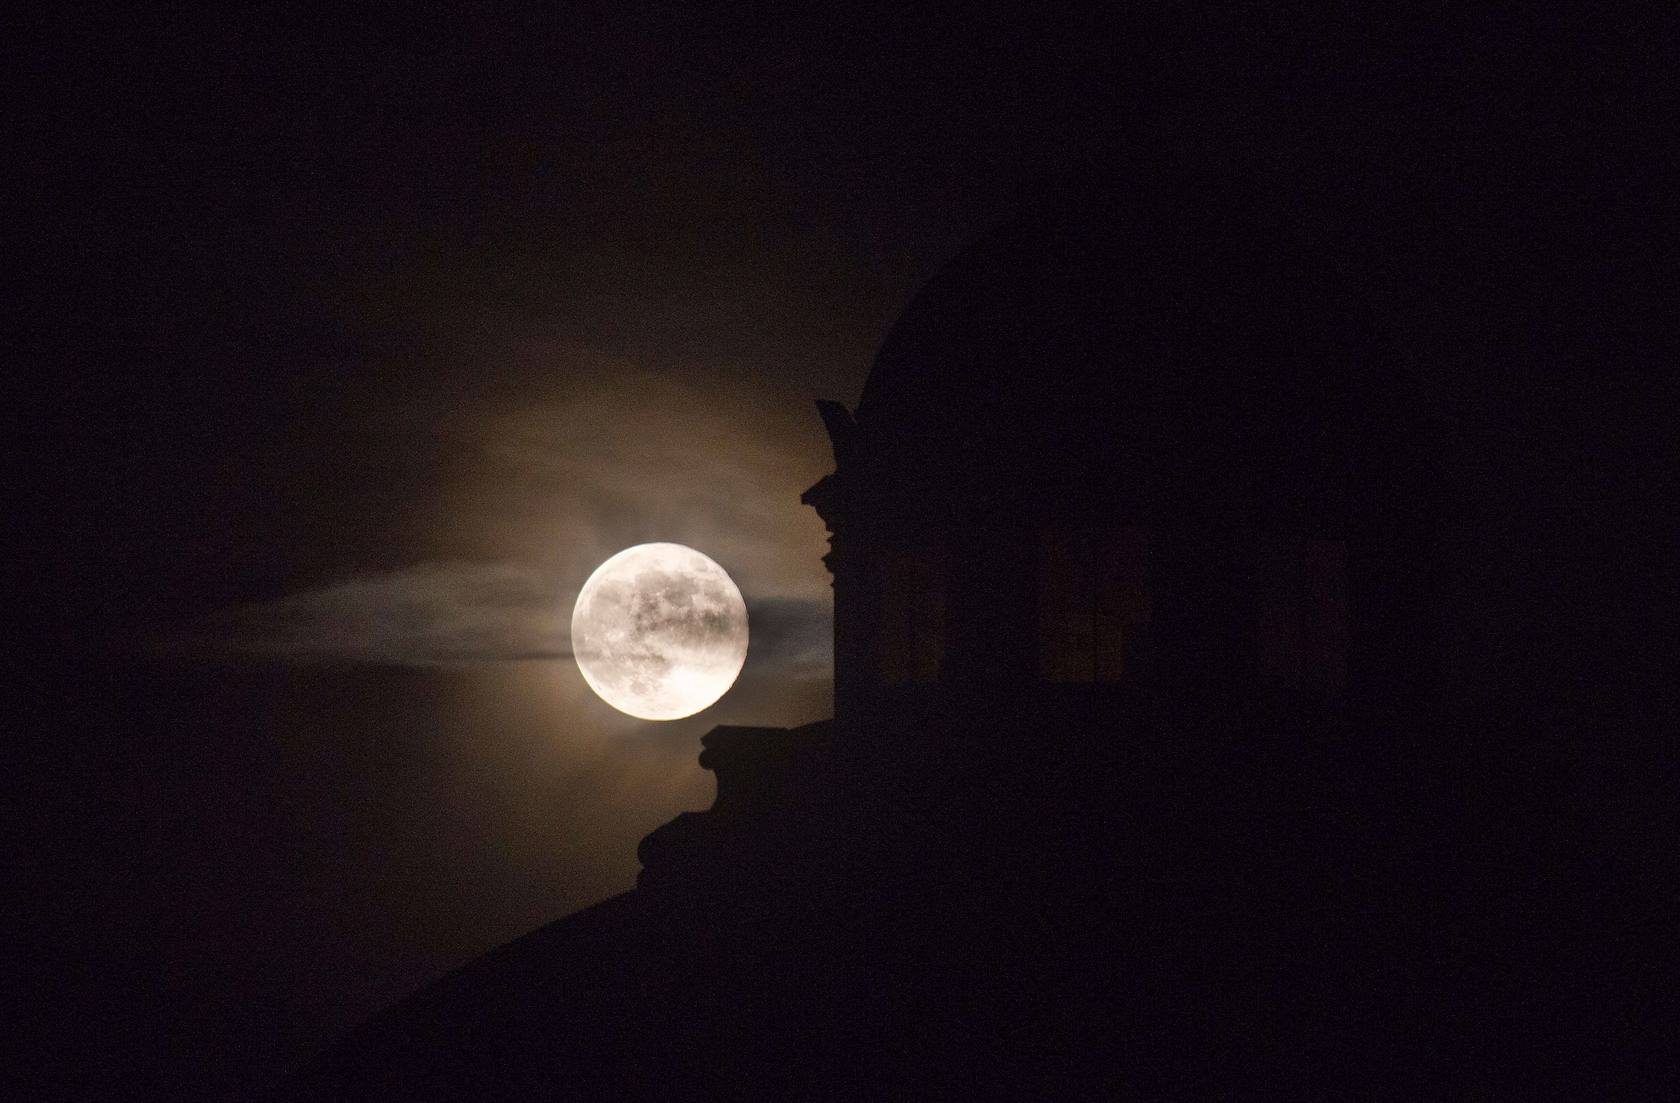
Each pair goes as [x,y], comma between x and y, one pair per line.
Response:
[659,631]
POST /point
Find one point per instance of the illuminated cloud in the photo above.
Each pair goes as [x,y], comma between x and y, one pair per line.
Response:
[510,500]
[436,614]
[426,615]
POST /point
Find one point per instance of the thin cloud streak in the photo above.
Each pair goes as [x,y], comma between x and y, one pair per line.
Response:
[445,614]
[533,491]
[430,614]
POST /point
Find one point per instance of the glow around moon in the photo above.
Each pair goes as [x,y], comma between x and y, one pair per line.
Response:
[659,631]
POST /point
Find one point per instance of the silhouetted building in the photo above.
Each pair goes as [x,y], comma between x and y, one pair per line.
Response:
[1142,445]
[1167,757]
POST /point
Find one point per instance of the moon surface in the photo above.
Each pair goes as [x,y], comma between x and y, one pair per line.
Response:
[659,631]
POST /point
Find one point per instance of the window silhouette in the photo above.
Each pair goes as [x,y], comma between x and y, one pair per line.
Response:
[1094,606]
[1301,611]
[912,623]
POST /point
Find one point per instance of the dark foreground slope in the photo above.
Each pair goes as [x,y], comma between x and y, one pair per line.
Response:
[1289,925]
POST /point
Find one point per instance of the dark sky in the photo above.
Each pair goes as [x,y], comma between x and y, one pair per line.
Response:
[345,349]
[348,349]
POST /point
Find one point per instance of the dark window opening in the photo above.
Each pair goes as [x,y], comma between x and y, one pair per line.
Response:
[1324,612]
[1301,611]
[1094,607]
[912,627]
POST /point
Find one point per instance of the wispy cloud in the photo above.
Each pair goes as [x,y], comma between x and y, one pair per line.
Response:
[439,614]
[522,499]
[425,615]
[792,636]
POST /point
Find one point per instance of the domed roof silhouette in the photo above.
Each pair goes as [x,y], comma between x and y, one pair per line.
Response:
[1153,337]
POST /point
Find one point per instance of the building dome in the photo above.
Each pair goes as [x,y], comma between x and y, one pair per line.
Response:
[1145,341]
[1148,436]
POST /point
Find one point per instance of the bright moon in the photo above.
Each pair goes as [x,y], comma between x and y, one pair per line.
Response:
[659,631]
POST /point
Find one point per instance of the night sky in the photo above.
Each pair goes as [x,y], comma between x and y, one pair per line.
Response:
[354,348]
[349,348]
